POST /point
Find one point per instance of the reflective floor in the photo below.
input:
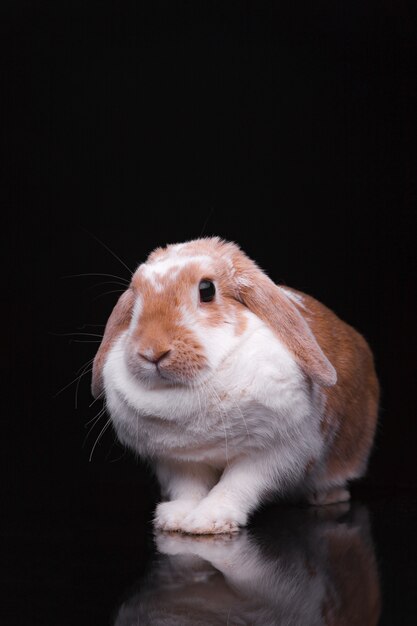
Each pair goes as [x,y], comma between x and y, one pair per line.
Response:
[102,564]
[306,567]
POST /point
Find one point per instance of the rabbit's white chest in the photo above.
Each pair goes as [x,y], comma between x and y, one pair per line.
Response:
[215,430]
[256,400]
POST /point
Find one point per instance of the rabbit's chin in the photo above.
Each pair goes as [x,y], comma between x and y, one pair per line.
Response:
[160,377]
[165,380]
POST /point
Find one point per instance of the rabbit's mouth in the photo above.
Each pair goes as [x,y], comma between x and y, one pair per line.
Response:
[169,371]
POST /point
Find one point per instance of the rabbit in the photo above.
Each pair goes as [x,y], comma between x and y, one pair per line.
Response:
[234,389]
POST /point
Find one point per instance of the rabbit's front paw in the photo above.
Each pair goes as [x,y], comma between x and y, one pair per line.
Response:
[210,518]
[170,515]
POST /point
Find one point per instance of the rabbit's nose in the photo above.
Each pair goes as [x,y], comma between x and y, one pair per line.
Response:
[154,356]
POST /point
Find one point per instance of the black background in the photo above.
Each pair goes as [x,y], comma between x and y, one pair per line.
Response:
[289,131]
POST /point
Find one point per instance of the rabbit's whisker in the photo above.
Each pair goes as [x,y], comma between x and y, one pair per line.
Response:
[107,282]
[85,341]
[103,430]
[95,418]
[123,280]
[85,371]
[111,251]
[99,397]
[76,334]
[107,293]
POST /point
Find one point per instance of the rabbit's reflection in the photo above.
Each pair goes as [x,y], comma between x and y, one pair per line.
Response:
[295,567]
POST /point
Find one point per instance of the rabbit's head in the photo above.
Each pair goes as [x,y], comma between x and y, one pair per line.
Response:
[188,306]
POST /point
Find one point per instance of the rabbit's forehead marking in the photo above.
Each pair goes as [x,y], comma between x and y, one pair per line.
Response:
[168,268]
[164,286]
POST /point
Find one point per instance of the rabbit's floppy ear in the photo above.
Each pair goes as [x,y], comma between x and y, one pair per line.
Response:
[270,303]
[118,321]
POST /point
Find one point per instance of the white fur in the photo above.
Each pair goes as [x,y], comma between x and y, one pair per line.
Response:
[170,265]
[217,341]
[241,432]
[137,310]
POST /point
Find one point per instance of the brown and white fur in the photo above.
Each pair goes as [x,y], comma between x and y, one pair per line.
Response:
[263,391]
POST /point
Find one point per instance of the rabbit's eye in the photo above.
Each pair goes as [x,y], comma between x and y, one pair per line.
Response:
[207,290]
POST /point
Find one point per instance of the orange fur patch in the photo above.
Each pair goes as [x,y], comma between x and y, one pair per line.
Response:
[352,404]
